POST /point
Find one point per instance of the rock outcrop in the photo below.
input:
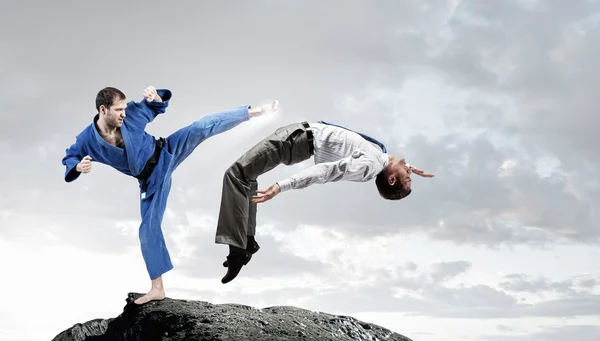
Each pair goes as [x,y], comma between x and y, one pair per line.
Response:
[175,319]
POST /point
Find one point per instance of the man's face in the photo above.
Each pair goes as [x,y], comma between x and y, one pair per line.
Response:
[402,172]
[115,114]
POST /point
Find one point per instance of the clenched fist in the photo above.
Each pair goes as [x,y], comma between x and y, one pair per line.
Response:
[85,165]
[150,94]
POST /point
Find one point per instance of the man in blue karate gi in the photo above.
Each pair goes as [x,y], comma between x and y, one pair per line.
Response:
[117,138]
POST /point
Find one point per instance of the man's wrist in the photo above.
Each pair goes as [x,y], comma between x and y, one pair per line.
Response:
[284,185]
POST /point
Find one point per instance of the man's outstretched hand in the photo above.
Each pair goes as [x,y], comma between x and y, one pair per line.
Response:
[420,172]
[266,194]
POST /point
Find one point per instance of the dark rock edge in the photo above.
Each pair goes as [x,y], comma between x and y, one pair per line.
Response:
[179,319]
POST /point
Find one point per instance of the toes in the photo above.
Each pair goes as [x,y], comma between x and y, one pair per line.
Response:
[141,300]
[146,298]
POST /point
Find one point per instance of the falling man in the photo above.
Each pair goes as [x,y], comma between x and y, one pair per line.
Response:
[340,154]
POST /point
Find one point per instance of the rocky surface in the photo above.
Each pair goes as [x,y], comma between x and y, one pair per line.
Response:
[174,319]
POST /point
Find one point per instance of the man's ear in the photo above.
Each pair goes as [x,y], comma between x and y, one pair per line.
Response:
[392,179]
[102,109]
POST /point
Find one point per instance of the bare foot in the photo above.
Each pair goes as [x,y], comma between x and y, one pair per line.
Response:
[154,294]
[264,109]
[157,292]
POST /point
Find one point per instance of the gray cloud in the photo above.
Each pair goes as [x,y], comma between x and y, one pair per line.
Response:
[207,258]
[478,301]
[539,285]
[554,333]
[583,305]
[442,271]
[503,328]
[543,58]
[472,302]
[422,295]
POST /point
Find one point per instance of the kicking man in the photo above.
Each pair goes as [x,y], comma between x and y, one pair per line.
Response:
[116,137]
[340,154]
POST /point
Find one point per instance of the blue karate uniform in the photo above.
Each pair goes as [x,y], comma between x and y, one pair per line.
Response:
[139,148]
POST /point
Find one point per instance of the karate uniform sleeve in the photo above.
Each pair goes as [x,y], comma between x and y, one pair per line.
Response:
[356,167]
[70,160]
[147,111]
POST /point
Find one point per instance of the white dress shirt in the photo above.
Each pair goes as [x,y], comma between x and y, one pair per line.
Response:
[340,154]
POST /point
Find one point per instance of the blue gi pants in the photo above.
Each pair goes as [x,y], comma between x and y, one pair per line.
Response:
[180,145]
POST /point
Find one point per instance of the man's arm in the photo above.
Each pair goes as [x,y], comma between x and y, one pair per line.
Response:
[357,167]
[72,158]
[155,102]
[419,172]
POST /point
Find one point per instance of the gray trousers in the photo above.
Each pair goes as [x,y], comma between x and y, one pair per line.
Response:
[237,216]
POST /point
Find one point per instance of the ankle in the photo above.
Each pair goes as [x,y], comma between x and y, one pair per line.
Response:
[233,250]
[255,111]
[157,284]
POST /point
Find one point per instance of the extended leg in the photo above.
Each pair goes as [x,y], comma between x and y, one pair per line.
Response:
[185,140]
[152,242]
[288,145]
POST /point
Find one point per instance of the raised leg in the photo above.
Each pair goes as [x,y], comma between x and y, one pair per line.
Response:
[185,140]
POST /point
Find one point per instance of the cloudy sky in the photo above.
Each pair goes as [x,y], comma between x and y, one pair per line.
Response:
[496,98]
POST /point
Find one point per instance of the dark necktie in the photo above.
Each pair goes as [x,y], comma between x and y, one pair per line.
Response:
[366,137]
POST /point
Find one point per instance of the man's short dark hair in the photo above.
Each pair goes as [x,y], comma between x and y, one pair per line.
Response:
[108,96]
[396,191]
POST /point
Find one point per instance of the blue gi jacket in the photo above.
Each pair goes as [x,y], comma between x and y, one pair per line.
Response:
[139,145]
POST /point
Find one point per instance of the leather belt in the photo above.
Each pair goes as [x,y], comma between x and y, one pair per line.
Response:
[152,161]
[310,138]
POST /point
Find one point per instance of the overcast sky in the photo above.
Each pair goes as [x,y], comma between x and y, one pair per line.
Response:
[498,99]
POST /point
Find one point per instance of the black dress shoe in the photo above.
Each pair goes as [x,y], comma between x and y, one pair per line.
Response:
[236,259]
[252,248]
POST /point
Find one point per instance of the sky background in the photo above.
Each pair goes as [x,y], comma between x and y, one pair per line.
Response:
[497,98]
